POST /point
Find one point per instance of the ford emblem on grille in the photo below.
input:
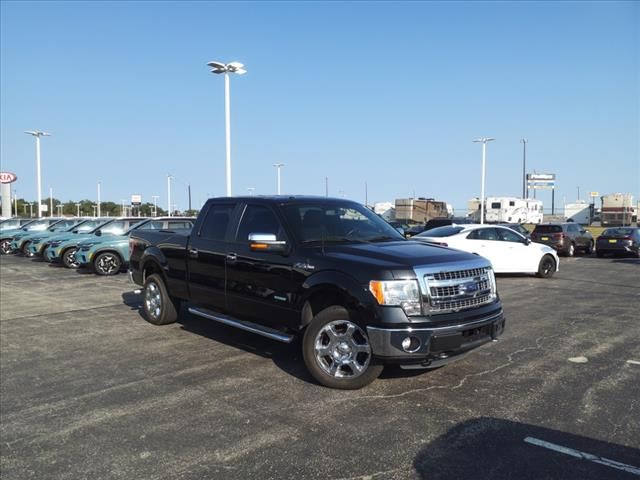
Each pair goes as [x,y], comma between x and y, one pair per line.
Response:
[468,287]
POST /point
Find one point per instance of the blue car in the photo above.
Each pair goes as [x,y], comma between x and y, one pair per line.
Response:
[109,255]
[62,250]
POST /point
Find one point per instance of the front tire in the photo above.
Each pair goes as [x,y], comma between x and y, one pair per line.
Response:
[159,307]
[5,246]
[571,251]
[588,250]
[69,258]
[337,352]
[547,267]
[107,263]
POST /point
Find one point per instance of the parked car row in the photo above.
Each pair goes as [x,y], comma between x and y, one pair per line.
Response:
[98,244]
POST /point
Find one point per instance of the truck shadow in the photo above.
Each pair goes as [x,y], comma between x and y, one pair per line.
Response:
[287,357]
[488,447]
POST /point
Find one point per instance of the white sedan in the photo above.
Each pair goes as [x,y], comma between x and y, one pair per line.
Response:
[507,250]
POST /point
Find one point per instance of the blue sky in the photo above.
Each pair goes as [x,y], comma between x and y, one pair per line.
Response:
[391,94]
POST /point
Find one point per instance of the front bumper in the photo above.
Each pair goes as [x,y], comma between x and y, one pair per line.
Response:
[437,345]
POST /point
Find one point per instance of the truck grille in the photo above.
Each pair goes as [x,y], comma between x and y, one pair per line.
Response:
[459,289]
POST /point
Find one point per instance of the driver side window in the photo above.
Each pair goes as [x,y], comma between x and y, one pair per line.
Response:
[259,219]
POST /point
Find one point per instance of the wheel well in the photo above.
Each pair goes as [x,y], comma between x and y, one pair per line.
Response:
[150,268]
[109,251]
[323,298]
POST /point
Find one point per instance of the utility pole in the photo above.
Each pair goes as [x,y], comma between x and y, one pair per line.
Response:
[189,189]
[77,209]
[326,186]
[278,166]
[99,213]
[155,204]
[524,168]
[50,201]
[169,192]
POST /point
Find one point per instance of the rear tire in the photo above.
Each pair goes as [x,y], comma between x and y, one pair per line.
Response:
[337,351]
[159,307]
[547,267]
[107,263]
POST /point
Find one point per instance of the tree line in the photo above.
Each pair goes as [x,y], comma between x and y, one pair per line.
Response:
[87,208]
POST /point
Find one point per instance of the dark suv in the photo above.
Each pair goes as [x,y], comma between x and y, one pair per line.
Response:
[566,238]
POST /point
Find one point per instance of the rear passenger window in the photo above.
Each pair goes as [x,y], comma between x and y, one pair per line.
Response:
[216,222]
[483,234]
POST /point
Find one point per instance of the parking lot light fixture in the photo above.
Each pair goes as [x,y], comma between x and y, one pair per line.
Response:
[77,209]
[278,166]
[38,134]
[484,141]
[227,68]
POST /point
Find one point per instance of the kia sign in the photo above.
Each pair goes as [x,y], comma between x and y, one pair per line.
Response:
[7,177]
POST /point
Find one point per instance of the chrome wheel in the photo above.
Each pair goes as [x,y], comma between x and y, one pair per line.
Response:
[153,300]
[5,246]
[69,258]
[342,349]
[108,263]
[572,250]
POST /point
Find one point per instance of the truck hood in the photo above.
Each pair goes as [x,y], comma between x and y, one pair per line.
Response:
[397,254]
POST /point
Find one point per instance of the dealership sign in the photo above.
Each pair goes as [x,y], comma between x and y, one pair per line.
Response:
[541,181]
[136,199]
[7,177]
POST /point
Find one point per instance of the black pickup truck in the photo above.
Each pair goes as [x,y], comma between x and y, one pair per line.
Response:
[328,270]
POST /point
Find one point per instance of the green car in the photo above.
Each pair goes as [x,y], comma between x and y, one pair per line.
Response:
[21,243]
[62,249]
[38,242]
[14,223]
[38,225]
[110,255]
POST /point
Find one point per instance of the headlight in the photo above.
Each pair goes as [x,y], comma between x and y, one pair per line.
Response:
[400,293]
[85,246]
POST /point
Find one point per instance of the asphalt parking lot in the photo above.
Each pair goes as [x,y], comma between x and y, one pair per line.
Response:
[91,390]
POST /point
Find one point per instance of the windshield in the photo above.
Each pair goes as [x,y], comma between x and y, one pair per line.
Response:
[348,222]
[547,229]
[38,225]
[88,225]
[618,232]
[12,223]
[446,231]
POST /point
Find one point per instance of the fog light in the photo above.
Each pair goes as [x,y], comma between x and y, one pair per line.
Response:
[411,344]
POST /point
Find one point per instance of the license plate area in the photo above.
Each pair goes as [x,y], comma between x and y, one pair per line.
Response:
[458,340]
[613,241]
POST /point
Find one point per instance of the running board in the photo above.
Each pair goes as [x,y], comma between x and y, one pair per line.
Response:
[268,332]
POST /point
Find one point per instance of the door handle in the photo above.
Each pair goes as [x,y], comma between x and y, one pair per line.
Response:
[232,257]
[193,252]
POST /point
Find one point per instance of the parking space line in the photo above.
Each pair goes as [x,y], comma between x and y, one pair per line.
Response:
[633,362]
[583,455]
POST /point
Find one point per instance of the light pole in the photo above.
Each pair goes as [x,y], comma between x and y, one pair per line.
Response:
[251,190]
[94,209]
[326,186]
[278,166]
[59,207]
[525,194]
[227,68]
[99,199]
[155,204]
[484,141]
[50,201]
[15,202]
[77,209]
[169,177]
[122,208]
[38,134]
[31,210]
